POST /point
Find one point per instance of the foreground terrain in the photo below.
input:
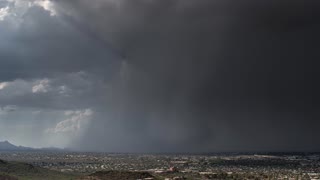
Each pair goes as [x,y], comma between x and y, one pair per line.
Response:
[99,166]
[18,170]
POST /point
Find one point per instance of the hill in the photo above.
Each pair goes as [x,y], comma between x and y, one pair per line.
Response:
[116,175]
[7,146]
[24,171]
[7,177]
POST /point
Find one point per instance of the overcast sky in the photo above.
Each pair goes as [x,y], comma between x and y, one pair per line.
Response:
[160,75]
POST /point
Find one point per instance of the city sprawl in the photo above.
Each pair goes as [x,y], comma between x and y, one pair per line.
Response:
[172,166]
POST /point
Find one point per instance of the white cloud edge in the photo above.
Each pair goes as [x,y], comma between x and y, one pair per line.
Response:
[42,86]
[3,85]
[22,6]
[75,122]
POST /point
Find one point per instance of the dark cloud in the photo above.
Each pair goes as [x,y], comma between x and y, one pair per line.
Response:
[37,44]
[176,75]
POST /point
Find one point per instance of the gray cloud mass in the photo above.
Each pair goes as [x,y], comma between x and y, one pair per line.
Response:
[160,75]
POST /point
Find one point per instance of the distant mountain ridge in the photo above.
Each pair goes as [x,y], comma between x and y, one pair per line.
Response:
[7,146]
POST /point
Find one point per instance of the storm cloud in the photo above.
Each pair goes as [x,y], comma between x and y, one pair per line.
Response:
[160,75]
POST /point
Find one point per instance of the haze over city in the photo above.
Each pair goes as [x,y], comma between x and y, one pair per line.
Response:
[163,76]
